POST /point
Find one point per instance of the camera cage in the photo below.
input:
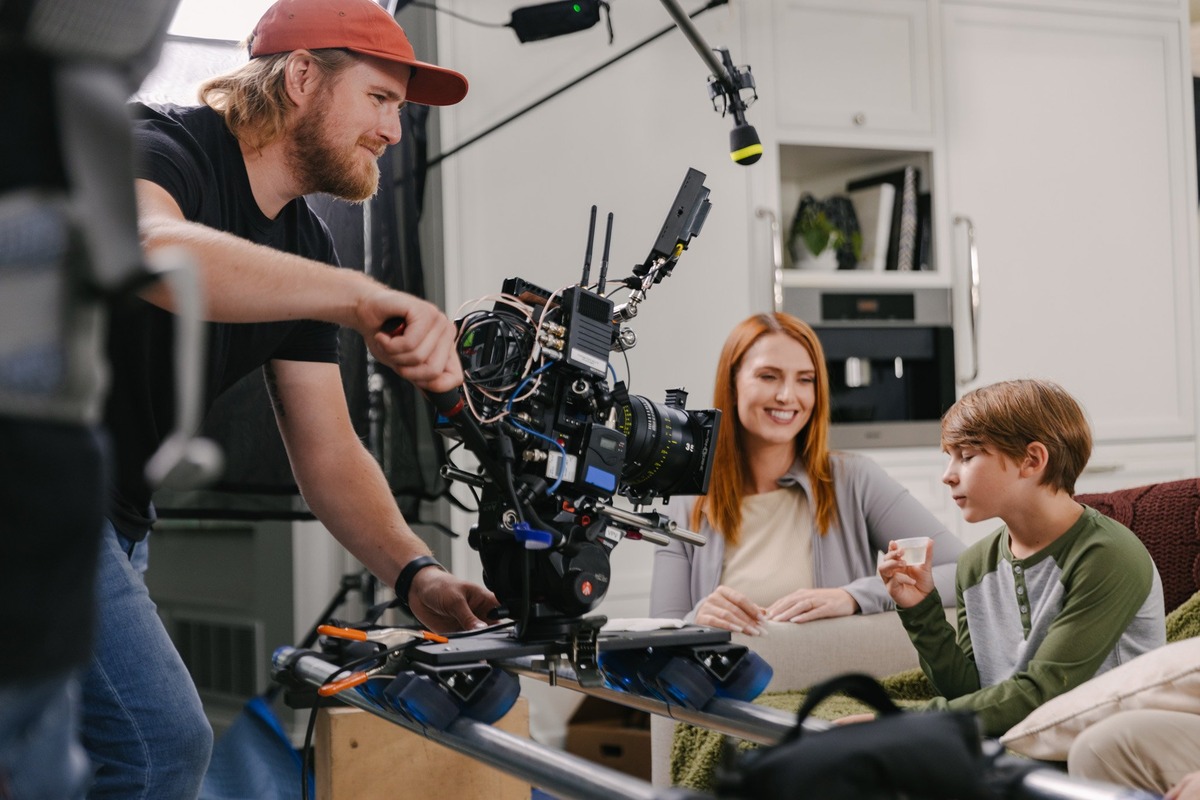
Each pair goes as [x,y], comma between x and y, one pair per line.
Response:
[558,438]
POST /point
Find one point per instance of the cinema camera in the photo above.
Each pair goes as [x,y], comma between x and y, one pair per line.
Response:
[558,439]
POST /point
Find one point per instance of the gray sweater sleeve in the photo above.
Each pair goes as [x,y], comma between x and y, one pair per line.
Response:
[670,594]
[875,509]
[678,582]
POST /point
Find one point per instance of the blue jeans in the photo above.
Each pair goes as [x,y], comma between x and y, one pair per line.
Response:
[143,724]
[40,756]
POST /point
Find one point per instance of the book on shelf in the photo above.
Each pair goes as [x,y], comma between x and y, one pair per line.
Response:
[873,207]
[903,231]
[924,231]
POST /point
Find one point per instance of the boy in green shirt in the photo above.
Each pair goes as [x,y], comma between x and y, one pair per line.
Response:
[1057,595]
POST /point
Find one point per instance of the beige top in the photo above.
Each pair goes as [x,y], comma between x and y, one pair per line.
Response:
[774,557]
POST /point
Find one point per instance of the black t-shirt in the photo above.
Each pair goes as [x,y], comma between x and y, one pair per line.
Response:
[192,155]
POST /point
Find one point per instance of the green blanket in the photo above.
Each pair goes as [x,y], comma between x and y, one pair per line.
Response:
[696,751]
[1184,622]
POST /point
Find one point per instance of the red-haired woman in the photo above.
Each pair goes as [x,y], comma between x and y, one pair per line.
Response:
[793,529]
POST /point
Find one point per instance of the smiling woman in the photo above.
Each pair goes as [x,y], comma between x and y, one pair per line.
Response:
[776,390]
[793,529]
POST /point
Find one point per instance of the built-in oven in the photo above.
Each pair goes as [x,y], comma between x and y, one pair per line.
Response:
[891,362]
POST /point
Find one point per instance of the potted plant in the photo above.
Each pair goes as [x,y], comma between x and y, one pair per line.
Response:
[825,234]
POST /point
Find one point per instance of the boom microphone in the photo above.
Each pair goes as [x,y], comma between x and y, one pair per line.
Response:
[726,82]
[744,145]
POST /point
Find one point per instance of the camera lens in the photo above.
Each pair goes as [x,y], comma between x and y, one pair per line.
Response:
[667,447]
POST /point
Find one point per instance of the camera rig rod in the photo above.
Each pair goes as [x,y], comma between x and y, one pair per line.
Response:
[651,522]
[637,294]
[462,476]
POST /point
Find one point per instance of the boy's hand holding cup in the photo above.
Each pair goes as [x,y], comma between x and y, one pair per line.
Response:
[913,549]
[907,570]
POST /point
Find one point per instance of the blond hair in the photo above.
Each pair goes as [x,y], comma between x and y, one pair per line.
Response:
[253,98]
[1011,415]
[727,487]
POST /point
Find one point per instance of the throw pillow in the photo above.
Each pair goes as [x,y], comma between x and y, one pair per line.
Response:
[1167,678]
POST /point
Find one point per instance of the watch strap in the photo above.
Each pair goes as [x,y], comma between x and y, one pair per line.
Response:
[408,574]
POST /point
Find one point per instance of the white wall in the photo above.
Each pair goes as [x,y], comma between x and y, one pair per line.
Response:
[517,202]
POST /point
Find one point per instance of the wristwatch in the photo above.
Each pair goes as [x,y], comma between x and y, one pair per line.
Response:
[408,574]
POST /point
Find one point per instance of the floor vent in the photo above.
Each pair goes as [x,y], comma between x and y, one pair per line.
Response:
[221,656]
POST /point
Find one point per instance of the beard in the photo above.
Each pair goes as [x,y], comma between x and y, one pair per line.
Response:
[320,164]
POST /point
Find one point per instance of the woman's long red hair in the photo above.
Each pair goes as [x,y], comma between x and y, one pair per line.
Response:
[730,473]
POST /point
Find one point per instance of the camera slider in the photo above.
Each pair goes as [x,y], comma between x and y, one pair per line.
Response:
[587,649]
[416,701]
[451,692]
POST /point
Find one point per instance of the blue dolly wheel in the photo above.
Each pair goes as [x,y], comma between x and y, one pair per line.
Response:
[494,697]
[421,699]
[748,679]
[682,680]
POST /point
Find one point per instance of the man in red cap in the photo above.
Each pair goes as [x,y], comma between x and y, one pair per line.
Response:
[314,108]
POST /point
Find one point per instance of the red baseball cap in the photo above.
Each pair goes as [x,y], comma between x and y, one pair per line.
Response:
[361,26]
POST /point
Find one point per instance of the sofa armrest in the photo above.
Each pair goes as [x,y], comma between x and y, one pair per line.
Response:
[802,655]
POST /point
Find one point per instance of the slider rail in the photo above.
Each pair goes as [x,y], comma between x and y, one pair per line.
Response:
[569,776]
[560,773]
[767,726]
[733,717]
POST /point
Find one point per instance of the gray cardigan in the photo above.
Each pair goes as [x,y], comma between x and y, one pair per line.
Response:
[871,510]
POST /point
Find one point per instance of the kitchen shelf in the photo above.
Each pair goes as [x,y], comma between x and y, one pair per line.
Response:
[864,279]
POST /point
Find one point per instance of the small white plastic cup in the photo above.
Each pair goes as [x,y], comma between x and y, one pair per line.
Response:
[914,549]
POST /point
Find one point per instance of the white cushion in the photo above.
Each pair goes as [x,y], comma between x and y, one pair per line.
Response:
[1167,678]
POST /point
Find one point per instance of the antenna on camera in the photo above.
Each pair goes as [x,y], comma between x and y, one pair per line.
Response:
[604,260]
[587,256]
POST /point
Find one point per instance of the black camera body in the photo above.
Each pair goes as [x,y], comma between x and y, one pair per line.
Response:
[563,439]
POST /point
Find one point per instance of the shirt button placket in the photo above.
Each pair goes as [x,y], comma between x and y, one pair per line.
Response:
[1022,600]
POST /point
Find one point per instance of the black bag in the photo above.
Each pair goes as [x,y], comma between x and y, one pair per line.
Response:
[930,756]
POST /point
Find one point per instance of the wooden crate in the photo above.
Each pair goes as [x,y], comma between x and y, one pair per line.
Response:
[359,756]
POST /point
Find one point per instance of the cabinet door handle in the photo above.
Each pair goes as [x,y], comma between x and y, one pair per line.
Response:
[973,261]
[776,256]
[1101,469]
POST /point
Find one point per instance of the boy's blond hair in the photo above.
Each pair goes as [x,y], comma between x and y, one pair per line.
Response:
[1009,416]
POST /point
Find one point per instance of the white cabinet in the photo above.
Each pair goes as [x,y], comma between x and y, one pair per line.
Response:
[846,92]
[1123,466]
[1058,148]
[854,66]
[1067,150]
[1058,144]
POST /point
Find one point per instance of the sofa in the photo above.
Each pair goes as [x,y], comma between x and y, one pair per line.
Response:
[1165,516]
